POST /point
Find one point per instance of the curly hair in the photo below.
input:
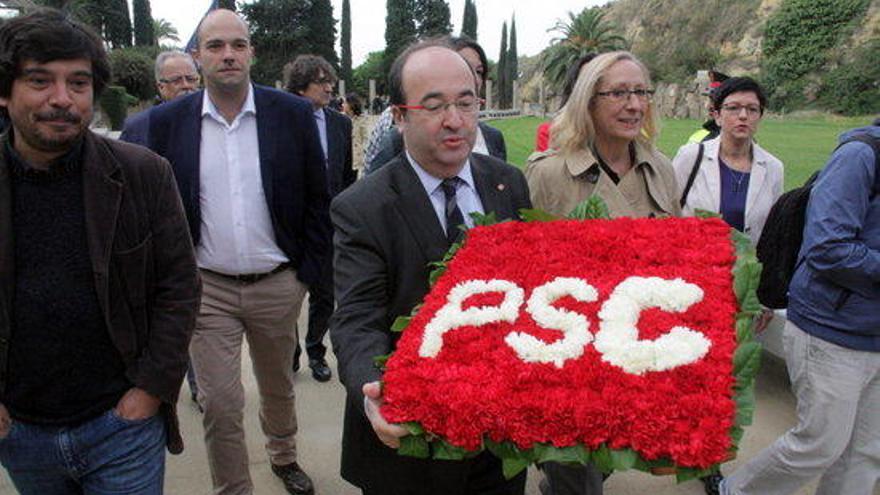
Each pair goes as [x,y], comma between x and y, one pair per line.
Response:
[304,70]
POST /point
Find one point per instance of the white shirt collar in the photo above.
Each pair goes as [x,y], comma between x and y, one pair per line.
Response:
[431,183]
[208,107]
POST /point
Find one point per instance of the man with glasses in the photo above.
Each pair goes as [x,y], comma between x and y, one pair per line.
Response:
[313,78]
[389,227]
[176,75]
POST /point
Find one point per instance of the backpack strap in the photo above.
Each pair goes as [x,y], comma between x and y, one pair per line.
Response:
[692,176]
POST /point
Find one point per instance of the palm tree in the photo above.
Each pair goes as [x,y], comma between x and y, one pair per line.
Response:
[583,33]
[164,30]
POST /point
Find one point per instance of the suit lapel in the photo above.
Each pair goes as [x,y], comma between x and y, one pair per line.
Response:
[491,192]
[415,207]
[102,188]
[266,120]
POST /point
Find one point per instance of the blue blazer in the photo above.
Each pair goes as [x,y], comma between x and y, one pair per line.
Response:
[291,165]
[137,128]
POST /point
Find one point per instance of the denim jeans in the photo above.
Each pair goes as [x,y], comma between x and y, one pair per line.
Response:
[106,455]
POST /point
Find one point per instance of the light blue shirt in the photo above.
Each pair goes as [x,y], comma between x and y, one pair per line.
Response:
[321,120]
[465,192]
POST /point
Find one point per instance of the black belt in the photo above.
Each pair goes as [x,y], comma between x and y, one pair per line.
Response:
[250,278]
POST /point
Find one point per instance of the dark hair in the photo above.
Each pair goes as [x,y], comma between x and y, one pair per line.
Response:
[459,43]
[738,85]
[304,70]
[47,35]
[355,103]
[571,75]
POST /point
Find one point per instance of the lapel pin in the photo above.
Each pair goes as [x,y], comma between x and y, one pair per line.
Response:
[500,187]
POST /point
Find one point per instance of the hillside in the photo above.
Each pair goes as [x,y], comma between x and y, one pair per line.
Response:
[804,51]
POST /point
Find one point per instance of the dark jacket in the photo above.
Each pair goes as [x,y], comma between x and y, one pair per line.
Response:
[340,173]
[835,292]
[137,128]
[144,268]
[387,234]
[291,165]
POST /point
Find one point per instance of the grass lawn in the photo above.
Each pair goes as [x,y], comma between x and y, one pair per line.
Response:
[803,144]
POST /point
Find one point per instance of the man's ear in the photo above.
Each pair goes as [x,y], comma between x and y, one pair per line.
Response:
[398,114]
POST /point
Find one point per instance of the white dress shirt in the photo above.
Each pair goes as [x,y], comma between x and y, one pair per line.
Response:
[480,145]
[465,192]
[236,232]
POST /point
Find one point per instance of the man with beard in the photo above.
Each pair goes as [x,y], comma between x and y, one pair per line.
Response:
[98,283]
[176,75]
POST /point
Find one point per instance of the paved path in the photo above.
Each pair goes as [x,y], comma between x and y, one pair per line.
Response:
[319,407]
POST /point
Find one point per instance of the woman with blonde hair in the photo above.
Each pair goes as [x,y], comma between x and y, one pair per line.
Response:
[603,144]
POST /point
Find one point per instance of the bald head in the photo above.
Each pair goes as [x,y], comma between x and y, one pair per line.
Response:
[223,16]
[224,54]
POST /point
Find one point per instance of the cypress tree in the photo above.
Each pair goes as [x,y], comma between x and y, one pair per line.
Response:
[345,42]
[501,69]
[512,62]
[469,21]
[433,18]
[322,31]
[400,30]
[279,32]
[143,23]
[226,4]
[117,23]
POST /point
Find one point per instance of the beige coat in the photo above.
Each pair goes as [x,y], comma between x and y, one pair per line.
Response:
[559,182]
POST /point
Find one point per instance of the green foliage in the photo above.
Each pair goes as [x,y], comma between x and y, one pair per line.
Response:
[501,71]
[143,23]
[133,69]
[279,32]
[117,24]
[114,102]
[226,4]
[511,64]
[469,20]
[164,30]
[400,30]
[583,33]
[321,32]
[690,56]
[852,88]
[432,18]
[797,39]
[345,69]
[371,68]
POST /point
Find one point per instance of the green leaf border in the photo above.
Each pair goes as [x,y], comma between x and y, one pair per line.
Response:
[746,362]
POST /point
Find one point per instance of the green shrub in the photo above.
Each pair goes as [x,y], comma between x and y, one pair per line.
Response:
[133,70]
[853,88]
[114,101]
[797,39]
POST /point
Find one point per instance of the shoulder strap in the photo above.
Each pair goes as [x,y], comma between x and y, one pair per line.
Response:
[691,177]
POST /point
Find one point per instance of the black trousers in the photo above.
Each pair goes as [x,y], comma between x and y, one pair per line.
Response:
[321,303]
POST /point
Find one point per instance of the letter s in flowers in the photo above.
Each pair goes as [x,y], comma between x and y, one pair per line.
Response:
[618,338]
[452,315]
[574,326]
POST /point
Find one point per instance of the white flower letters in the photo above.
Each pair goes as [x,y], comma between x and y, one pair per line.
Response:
[617,340]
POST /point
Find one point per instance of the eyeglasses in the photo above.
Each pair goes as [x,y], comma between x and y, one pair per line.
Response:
[179,79]
[621,95]
[465,106]
[751,110]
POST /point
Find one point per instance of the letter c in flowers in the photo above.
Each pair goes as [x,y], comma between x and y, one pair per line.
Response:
[575,326]
[452,316]
[618,338]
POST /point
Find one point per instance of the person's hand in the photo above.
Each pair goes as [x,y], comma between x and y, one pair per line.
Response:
[387,432]
[763,319]
[137,404]
[5,422]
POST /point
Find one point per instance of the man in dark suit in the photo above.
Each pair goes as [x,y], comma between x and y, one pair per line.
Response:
[389,227]
[176,75]
[313,78]
[250,170]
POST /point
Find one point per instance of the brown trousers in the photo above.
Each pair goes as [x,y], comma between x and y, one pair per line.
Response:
[265,313]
